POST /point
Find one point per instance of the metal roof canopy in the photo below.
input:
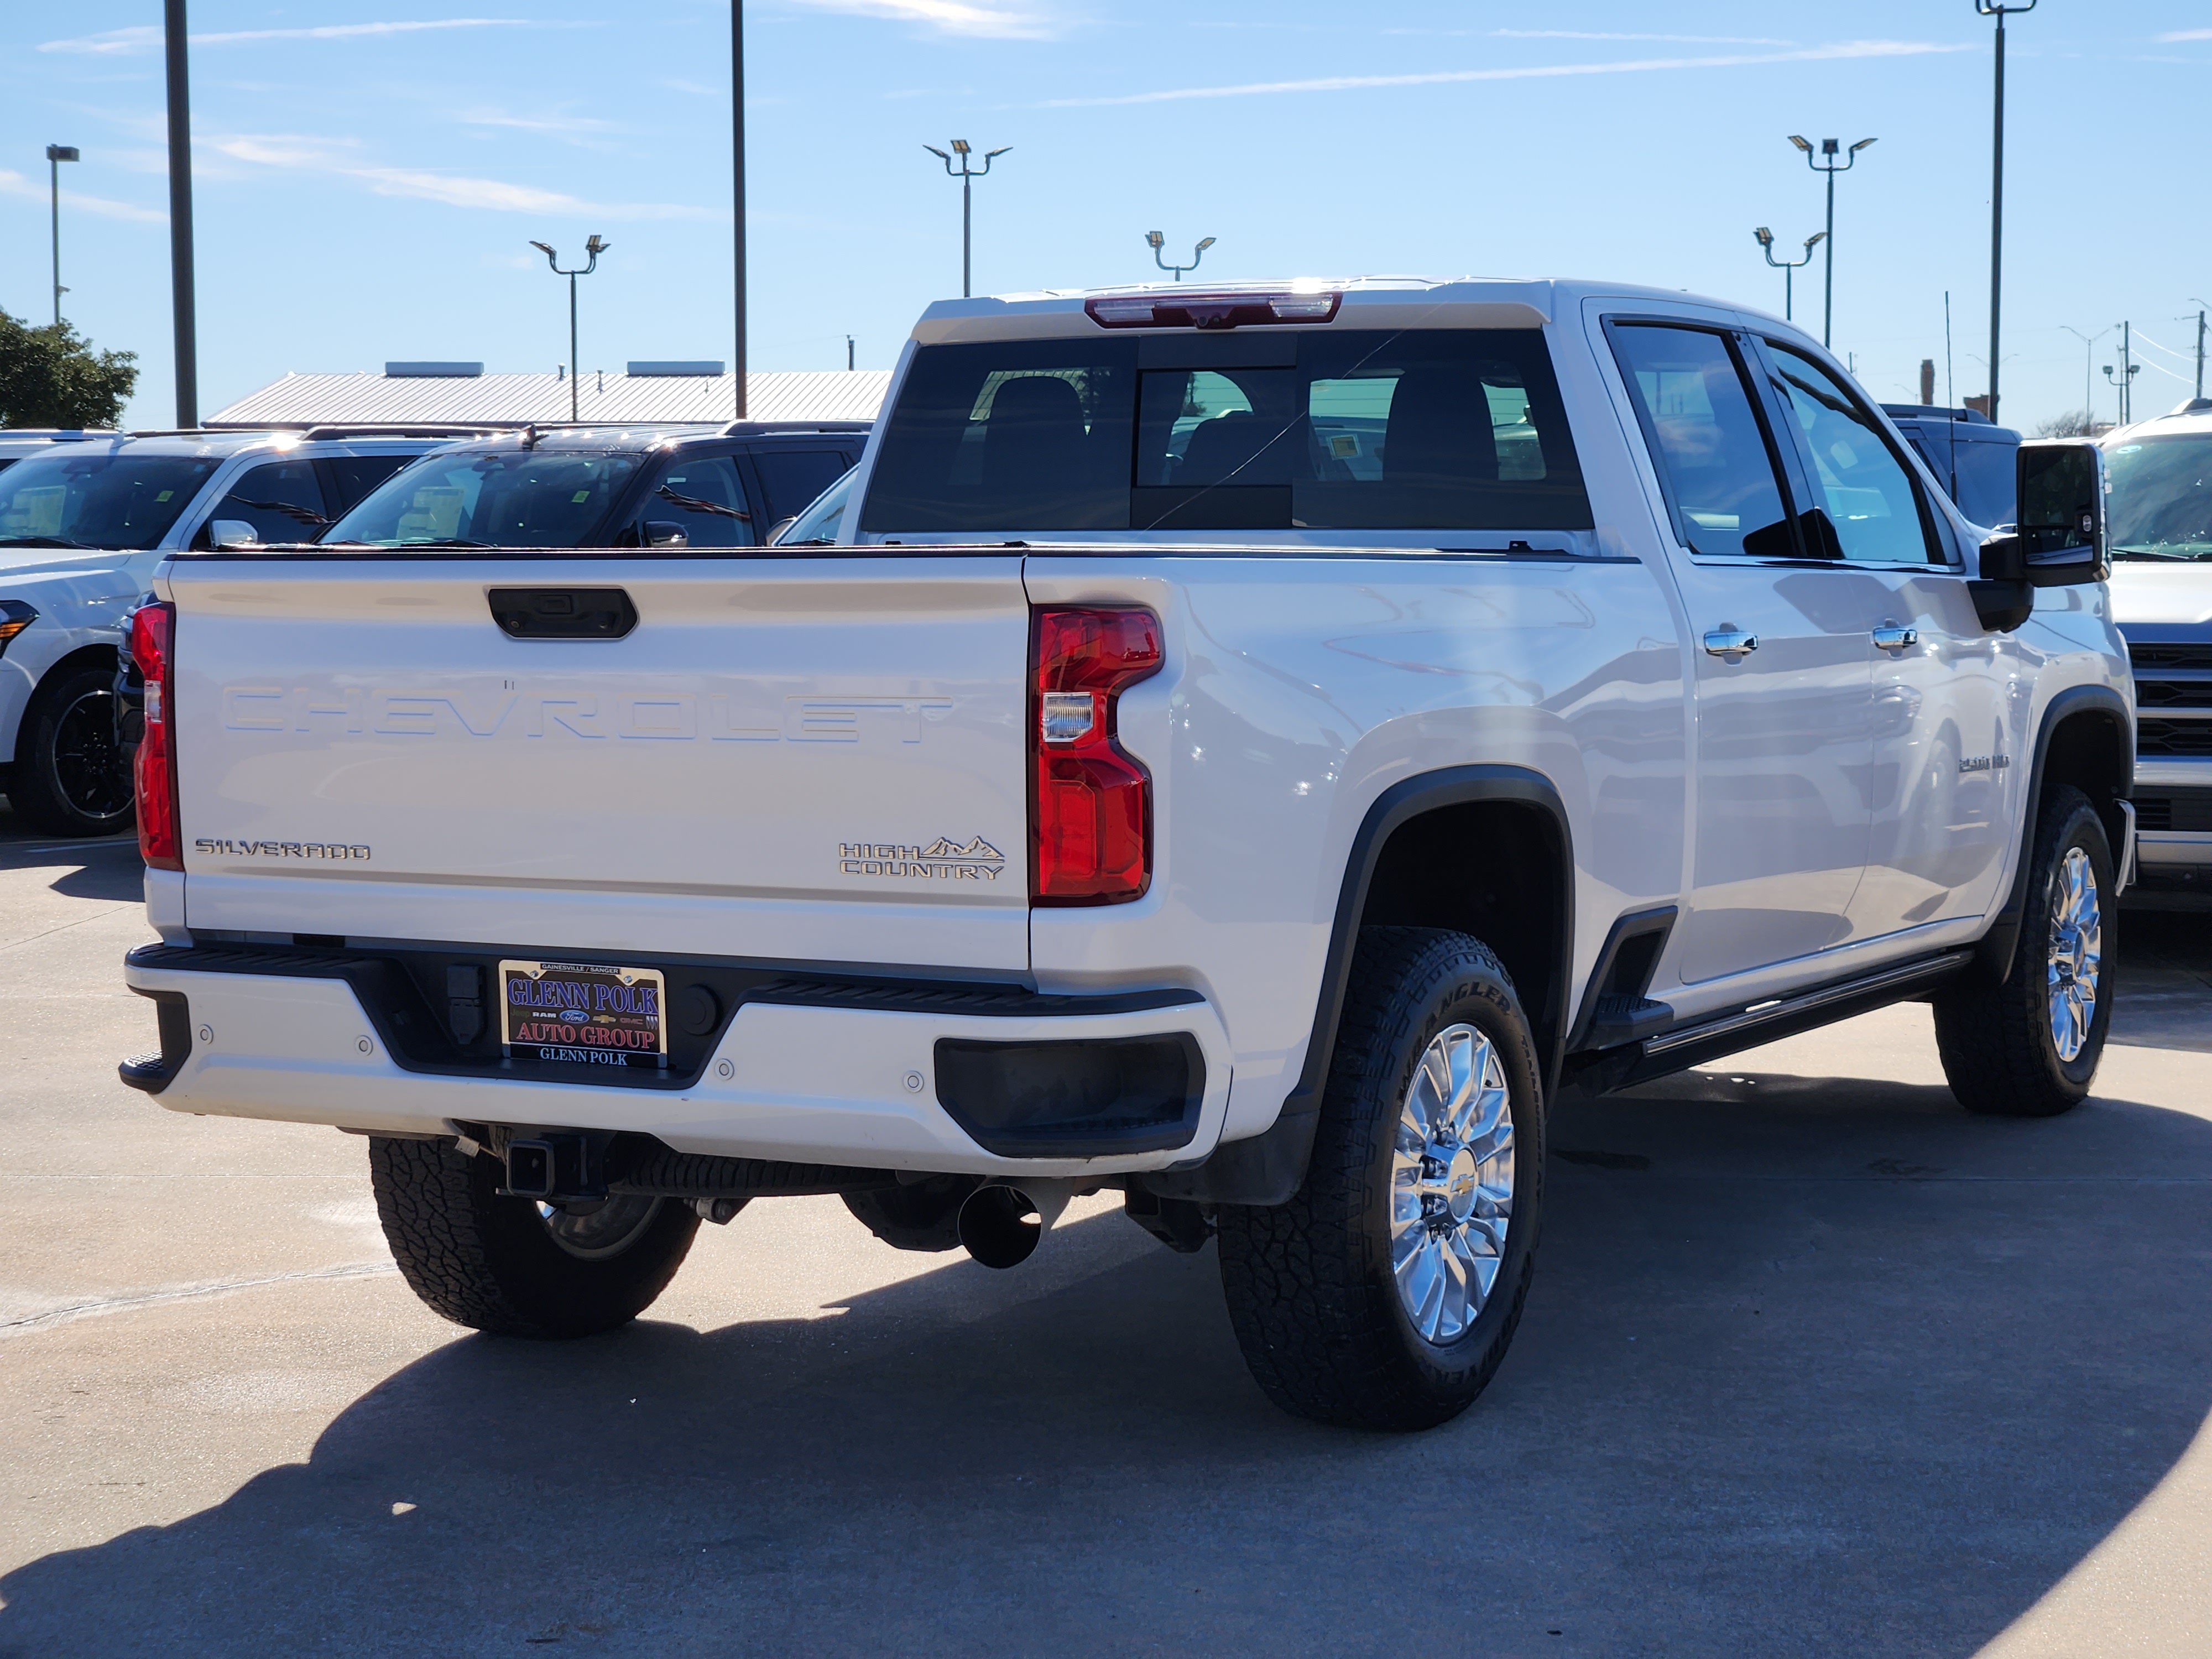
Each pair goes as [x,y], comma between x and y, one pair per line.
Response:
[516,400]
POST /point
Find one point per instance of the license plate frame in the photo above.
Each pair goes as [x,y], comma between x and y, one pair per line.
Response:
[624,1012]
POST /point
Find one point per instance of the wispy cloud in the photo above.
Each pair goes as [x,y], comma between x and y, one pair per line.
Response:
[951,16]
[562,126]
[148,38]
[1522,72]
[2179,35]
[1677,40]
[341,159]
[14,184]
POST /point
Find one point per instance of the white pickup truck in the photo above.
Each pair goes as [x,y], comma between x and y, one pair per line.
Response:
[1251,750]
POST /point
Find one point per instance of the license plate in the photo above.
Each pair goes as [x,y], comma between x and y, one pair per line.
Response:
[583,1014]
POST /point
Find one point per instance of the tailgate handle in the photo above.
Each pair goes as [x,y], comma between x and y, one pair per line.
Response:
[562,613]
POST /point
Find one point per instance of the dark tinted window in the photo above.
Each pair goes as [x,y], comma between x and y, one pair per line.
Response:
[97,501]
[349,477]
[794,478]
[1706,442]
[1368,430]
[1988,481]
[1028,435]
[281,500]
[703,493]
[508,498]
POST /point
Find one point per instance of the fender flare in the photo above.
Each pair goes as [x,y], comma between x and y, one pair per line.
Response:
[1994,953]
[1270,1167]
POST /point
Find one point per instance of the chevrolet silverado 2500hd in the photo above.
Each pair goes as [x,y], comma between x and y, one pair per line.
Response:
[1250,751]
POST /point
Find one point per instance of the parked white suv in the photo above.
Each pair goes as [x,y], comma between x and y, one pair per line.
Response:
[1252,750]
[83,520]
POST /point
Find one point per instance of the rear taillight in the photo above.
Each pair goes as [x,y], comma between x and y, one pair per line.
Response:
[1090,818]
[152,634]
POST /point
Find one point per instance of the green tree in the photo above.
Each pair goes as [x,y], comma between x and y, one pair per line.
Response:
[51,376]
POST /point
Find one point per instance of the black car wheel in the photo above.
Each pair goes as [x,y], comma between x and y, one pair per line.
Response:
[68,777]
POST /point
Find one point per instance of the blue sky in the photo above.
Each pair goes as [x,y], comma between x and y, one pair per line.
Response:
[370,173]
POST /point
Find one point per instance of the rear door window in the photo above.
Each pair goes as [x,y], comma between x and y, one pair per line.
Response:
[283,501]
[791,478]
[1707,441]
[1436,428]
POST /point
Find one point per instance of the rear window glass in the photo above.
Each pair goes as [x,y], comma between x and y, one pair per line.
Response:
[794,478]
[510,498]
[1353,430]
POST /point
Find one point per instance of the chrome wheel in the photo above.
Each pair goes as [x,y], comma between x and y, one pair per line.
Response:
[595,1230]
[1451,1183]
[2076,954]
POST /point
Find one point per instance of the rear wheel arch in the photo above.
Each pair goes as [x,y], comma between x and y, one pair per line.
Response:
[1402,871]
[85,656]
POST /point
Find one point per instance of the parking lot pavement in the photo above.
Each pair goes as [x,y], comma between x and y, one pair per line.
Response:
[1813,1363]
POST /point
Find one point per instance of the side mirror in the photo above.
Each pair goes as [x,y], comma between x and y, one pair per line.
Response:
[661,532]
[2061,514]
[234,532]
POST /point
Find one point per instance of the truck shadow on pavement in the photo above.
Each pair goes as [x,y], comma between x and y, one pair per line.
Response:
[1809,1366]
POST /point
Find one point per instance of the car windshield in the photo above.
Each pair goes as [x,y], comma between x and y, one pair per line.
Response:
[817,526]
[2159,504]
[112,501]
[1336,429]
[509,498]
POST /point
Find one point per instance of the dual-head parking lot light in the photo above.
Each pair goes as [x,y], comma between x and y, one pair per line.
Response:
[965,174]
[594,247]
[1789,268]
[56,154]
[1155,240]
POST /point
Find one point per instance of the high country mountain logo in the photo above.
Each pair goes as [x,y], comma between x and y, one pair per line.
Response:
[942,859]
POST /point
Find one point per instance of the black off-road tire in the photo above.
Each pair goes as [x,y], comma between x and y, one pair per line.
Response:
[1999,1054]
[1310,1286]
[68,778]
[492,1264]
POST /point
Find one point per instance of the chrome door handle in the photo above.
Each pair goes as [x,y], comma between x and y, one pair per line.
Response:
[1730,642]
[1892,637]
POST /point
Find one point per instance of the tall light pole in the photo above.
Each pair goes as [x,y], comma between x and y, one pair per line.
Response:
[56,154]
[1155,241]
[738,186]
[2088,383]
[1994,9]
[181,216]
[594,247]
[1832,168]
[965,175]
[1789,268]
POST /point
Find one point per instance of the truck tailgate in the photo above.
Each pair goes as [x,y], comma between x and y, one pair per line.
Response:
[810,760]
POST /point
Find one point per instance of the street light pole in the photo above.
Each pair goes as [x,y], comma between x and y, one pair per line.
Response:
[2088,384]
[965,176]
[1789,268]
[594,247]
[1832,168]
[56,154]
[1154,240]
[1994,9]
[180,214]
[737,188]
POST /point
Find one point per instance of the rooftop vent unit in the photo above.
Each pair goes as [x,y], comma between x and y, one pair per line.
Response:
[700,367]
[433,371]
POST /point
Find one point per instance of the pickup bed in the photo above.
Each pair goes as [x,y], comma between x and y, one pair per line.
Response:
[1253,751]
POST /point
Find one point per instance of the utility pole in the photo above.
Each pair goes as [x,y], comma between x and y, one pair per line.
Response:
[1789,268]
[1832,168]
[961,150]
[738,186]
[2200,349]
[2125,380]
[56,154]
[848,354]
[1995,9]
[594,247]
[181,216]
